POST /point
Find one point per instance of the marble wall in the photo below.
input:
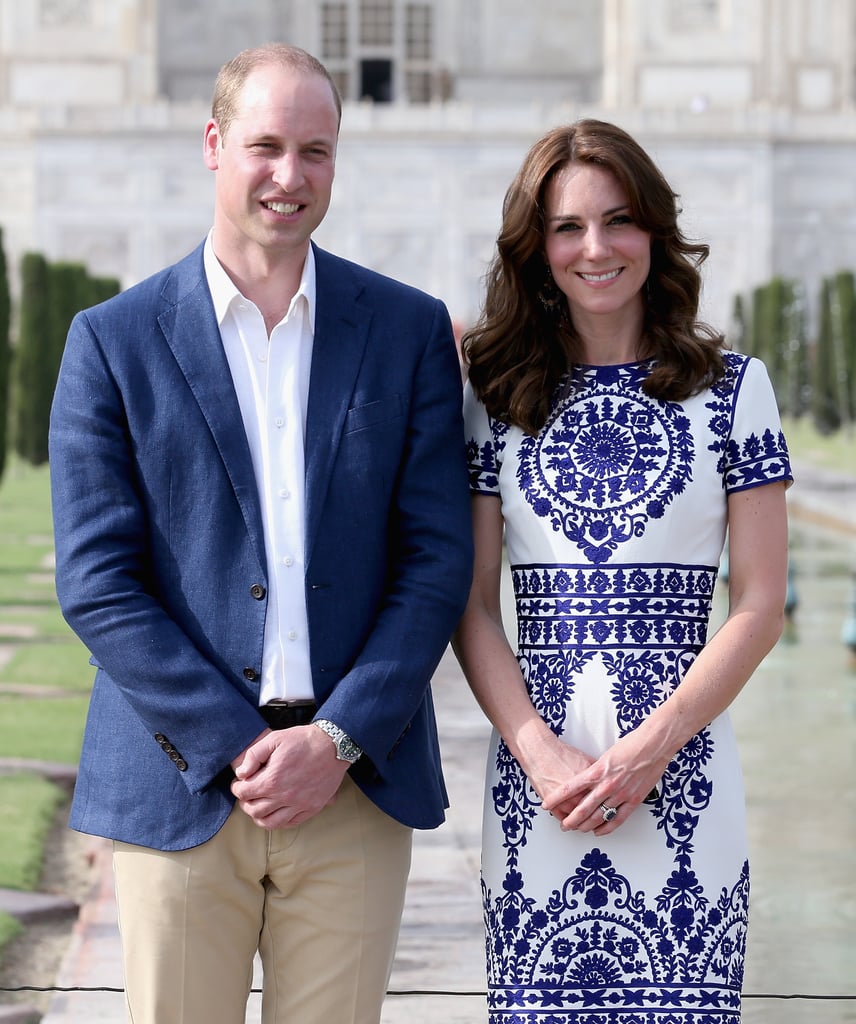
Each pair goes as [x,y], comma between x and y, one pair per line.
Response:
[100,165]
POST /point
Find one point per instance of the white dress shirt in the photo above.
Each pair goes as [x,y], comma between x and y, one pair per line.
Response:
[271,378]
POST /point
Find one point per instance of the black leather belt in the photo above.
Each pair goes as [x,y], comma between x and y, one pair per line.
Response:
[288,714]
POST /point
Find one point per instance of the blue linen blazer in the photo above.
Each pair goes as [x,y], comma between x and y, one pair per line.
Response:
[160,559]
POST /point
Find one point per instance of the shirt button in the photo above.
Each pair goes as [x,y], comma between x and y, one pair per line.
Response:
[279,421]
[288,560]
[292,635]
[285,494]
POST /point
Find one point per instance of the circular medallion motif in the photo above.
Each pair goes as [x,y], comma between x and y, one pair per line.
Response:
[609,459]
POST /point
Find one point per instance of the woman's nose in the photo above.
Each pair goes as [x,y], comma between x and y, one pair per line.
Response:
[596,242]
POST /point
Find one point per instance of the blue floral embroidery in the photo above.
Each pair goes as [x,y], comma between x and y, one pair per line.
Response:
[598,951]
[613,606]
[755,460]
[607,461]
[484,461]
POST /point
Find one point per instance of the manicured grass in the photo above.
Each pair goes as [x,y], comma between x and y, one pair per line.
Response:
[59,665]
[25,510]
[36,649]
[9,928]
[27,808]
[834,451]
[27,621]
[22,580]
[41,730]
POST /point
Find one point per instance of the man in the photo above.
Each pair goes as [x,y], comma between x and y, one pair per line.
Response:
[262,536]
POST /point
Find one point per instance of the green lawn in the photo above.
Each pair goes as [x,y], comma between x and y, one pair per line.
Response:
[27,807]
[835,451]
[62,664]
[38,652]
[48,729]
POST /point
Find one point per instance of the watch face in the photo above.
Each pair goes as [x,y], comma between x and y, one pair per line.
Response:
[348,750]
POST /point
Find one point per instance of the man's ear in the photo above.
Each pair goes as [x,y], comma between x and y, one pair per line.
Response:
[211,145]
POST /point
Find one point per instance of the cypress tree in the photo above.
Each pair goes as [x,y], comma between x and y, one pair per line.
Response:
[756,317]
[845,343]
[738,329]
[70,291]
[5,354]
[797,380]
[824,396]
[103,288]
[35,369]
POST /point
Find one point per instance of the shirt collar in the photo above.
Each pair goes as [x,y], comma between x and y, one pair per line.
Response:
[224,290]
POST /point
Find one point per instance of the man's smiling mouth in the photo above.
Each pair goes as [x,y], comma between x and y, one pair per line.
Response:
[283,208]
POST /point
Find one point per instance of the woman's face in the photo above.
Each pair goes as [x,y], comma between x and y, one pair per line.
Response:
[598,256]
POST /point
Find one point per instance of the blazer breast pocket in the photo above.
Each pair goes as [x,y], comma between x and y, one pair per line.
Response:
[374,414]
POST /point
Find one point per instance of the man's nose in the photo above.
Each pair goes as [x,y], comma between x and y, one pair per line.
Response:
[288,174]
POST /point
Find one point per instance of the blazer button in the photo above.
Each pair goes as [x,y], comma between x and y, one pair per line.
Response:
[181,764]
[257,591]
[250,675]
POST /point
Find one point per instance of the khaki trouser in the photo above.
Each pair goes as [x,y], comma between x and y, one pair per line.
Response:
[321,902]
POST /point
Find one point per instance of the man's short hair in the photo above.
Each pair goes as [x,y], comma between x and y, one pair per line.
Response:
[235,72]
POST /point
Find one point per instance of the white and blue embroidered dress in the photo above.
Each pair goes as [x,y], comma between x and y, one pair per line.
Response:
[615,519]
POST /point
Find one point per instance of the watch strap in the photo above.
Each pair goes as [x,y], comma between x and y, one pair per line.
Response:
[346,748]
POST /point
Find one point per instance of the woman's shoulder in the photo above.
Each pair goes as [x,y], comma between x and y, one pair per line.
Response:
[740,370]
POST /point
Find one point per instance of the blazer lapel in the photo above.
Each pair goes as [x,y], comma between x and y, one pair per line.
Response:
[341,331]
[191,330]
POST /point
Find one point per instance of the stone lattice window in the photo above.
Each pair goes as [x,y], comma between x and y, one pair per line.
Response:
[334,31]
[376,22]
[380,50]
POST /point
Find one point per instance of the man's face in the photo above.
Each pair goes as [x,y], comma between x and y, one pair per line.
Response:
[275,164]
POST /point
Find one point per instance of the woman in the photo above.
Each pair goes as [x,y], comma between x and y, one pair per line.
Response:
[612,441]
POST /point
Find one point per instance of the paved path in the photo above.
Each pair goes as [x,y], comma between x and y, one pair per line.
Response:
[803,934]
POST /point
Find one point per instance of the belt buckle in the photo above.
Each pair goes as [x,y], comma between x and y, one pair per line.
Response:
[285,714]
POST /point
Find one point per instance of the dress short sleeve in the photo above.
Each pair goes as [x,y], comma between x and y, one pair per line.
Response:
[484,444]
[756,452]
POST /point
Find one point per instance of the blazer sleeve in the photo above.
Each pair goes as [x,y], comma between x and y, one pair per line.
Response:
[423,565]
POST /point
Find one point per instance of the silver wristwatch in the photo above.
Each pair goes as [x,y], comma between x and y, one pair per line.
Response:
[346,749]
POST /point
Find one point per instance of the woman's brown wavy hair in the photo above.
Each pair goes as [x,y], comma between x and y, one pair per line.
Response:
[520,348]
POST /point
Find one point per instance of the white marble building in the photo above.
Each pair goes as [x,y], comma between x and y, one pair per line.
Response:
[749,106]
